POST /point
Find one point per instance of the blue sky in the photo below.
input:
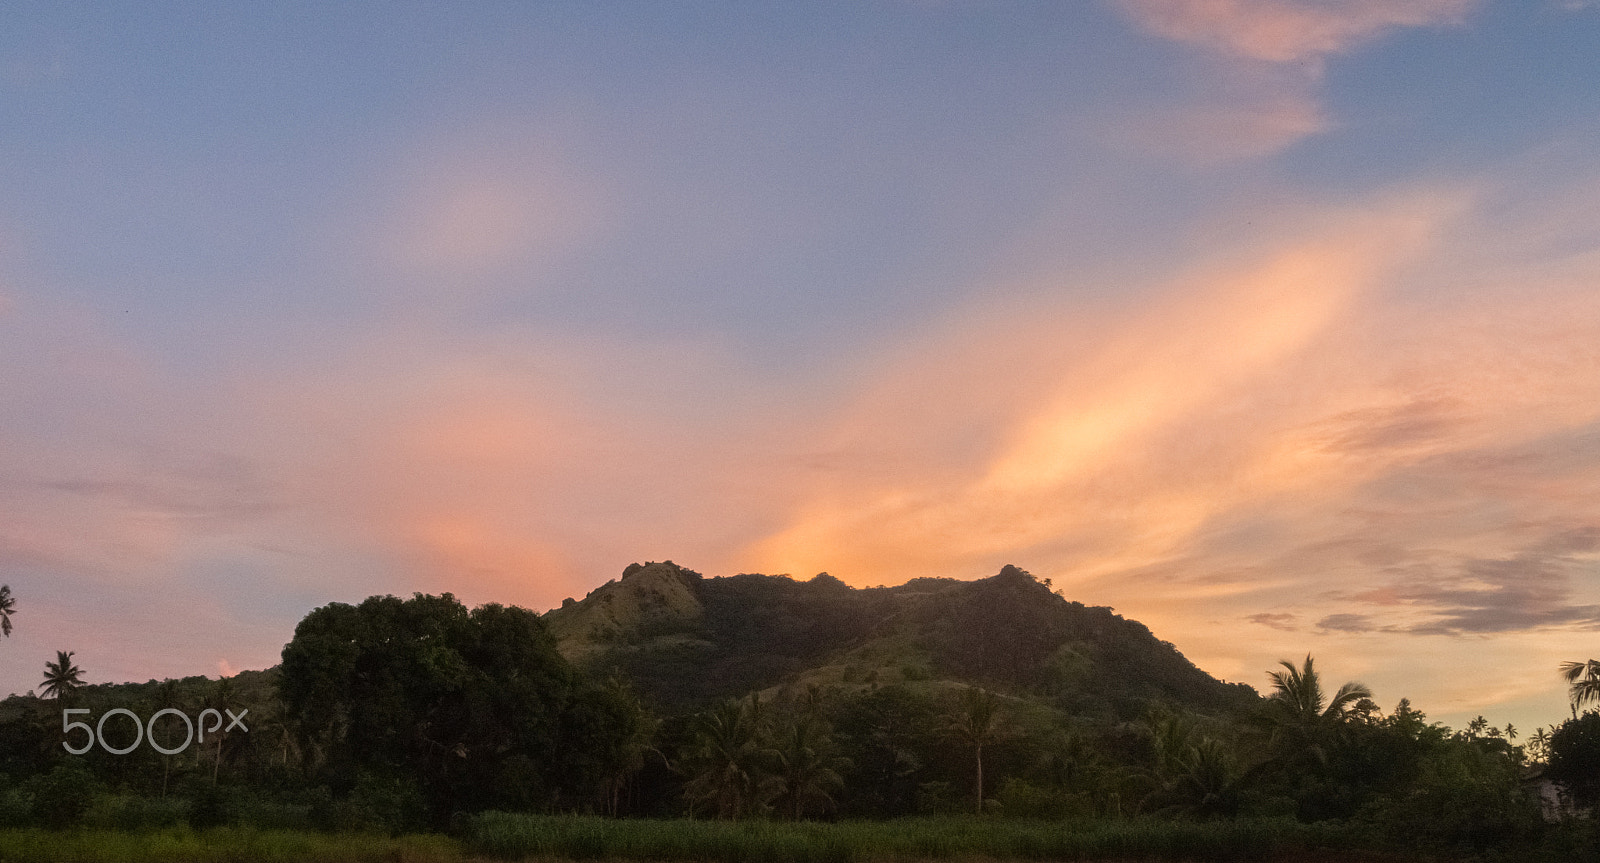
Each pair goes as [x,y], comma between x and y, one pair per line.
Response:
[1269,322]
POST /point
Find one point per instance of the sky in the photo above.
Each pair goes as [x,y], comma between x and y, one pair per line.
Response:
[1272,324]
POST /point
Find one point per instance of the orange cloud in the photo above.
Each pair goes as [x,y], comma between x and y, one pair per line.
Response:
[1122,452]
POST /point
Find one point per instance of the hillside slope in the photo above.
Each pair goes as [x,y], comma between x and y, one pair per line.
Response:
[686,640]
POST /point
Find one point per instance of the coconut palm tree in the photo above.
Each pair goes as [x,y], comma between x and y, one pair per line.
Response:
[1298,709]
[977,723]
[1299,690]
[7,605]
[807,767]
[728,761]
[1209,782]
[1539,744]
[61,677]
[1583,682]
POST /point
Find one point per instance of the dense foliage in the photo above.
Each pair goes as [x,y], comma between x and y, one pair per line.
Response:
[1008,631]
[472,709]
[985,700]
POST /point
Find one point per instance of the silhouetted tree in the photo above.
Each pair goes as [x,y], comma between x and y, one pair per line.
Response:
[1539,744]
[976,722]
[61,677]
[1297,713]
[8,604]
[1583,683]
[1575,758]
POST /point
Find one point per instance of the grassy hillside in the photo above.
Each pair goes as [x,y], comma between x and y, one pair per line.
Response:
[686,640]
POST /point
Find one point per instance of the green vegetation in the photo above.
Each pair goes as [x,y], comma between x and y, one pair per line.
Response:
[520,837]
[687,642]
[222,845]
[938,719]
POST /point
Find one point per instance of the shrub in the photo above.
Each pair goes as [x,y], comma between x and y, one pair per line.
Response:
[62,796]
[212,806]
[15,805]
[130,813]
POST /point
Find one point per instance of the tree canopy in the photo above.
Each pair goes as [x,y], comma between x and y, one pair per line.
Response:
[476,708]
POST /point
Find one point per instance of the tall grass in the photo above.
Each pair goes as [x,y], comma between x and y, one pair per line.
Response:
[221,845]
[518,837]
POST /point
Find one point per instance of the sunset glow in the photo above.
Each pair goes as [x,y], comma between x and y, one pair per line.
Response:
[1274,324]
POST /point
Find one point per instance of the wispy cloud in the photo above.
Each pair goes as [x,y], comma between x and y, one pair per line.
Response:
[1268,58]
[1287,31]
[1116,454]
[1531,590]
[1345,622]
[1280,621]
[477,211]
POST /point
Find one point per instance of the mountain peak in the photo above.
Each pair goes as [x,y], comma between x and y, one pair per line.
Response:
[687,640]
[651,598]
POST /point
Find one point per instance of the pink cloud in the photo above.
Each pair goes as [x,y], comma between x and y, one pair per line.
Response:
[1285,31]
[452,215]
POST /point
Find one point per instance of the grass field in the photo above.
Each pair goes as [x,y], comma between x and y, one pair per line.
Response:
[500,836]
[222,845]
[518,837]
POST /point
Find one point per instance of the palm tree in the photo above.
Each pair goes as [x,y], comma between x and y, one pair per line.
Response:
[61,677]
[1583,681]
[1208,784]
[1539,744]
[221,699]
[976,723]
[807,767]
[1299,692]
[727,761]
[1296,707]
[7,605]
[626,756]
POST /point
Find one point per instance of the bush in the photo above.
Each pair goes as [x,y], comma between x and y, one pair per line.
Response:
[212,806]
[263,812]
[385,804]
[129,813]
[15,805]
[62,796]
[1575,758]
[1463,798]
[1022,799]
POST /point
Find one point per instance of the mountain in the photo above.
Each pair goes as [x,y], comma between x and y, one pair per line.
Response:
[685,640]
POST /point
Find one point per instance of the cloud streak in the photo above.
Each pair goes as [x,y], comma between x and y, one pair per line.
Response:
[1120,452]
[1269,58]
[1287,31]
